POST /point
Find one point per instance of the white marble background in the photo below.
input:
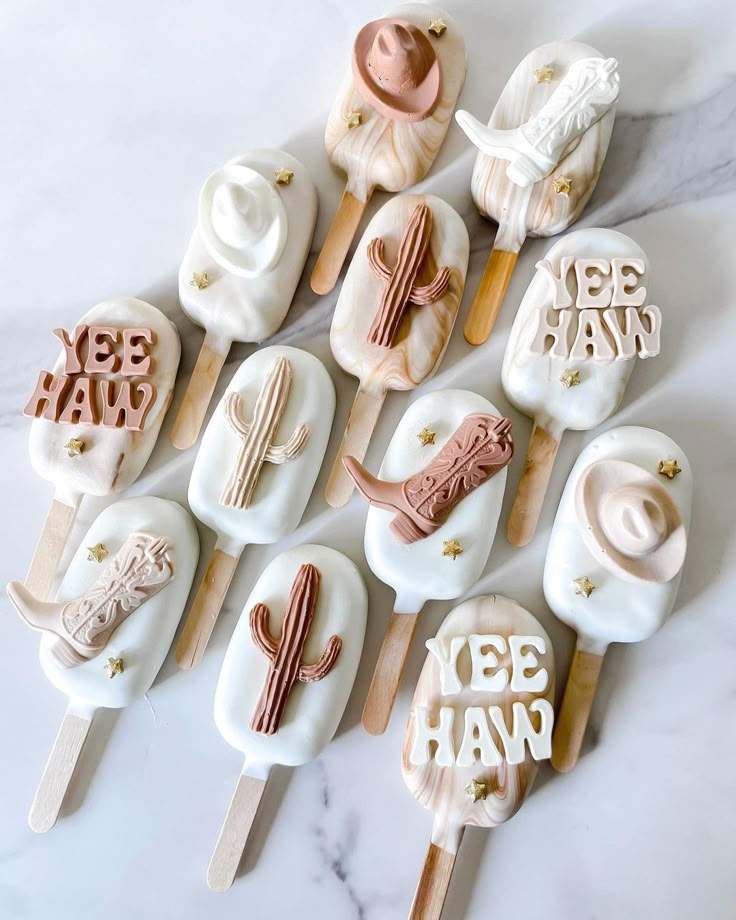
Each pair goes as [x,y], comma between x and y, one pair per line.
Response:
[112,115]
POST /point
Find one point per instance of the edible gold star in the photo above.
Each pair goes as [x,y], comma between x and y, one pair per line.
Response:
[426,437]
[584,586]
[96,553]
[283,176]
[353,119]
[200,280]
[668,468]
[562,185]
[114,666]
[544,74]
[475,790]
[452,548]
[570,378]
[437,27]
[74,447]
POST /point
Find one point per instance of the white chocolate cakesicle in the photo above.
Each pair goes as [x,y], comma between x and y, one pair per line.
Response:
[311,707]
[252,485]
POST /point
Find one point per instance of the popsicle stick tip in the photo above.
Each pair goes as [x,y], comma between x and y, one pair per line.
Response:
[489,296]
[50,548]
[189,420]
[335,248]
[205,609]
[389,670]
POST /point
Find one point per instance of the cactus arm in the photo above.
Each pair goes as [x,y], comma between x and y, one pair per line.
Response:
[259,630]
[376,260]
[429,293]
[291,449]
[234,415]
[321,668]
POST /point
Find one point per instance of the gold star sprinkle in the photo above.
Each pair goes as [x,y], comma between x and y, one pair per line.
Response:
[426,437]
[353,119]
[452,548]
[283,176]
[437,27]
[475,790]
[200,280]
[74,447]
[562,185]
[570,378]
[584,586]
[668,468]
[96,553]
[114,666]
[544,74]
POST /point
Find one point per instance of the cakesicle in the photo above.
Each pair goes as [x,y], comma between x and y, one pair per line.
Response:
[615,557]
[390,116]
[238,276]
[433,517]
[286,678]
[107,634]
[255,470]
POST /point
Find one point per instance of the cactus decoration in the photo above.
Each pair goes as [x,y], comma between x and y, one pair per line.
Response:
[401,287]
[257,437]
[285,654]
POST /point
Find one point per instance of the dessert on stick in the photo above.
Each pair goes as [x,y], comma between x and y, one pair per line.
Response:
[97,415]
[480,721]
[433,517]
[286,678]
[255,470]
[580,326]
[395,312]
[539,158]
[238,276]
[390,116]
[105,637]
[614,559]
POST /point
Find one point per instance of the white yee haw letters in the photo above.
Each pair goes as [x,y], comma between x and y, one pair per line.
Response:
[525,676]
[604,319]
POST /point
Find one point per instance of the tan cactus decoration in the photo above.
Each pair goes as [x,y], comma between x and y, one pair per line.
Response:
[257,447]
[401,287]
[286,653]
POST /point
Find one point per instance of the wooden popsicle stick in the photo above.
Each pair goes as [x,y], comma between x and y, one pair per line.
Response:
[389,670]
[234,834]
[361,422]
[337,242]
[58,772]
[572,720]
[540,457]
[489,296]
[434,882]
[206,608]
[50,548]
[198,395]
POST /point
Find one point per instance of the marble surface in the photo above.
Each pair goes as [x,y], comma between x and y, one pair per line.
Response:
[113,114]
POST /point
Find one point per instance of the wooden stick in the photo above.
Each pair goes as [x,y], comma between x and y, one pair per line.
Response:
[58,772]
[206,608]
[234,834]
[540,457]
[358,431]
[572,719]
[50,548]
[389,670]
[434,882]
[198,395]
[489,296]
[337,242]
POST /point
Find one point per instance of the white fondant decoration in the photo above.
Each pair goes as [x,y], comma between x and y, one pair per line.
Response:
[618,610]
[485,651]
[586,92]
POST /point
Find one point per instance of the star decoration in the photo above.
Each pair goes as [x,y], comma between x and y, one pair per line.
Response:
[668,468]
[475,790]
[452,548]
[74,447]
[562,185]
[570,378]
[96,553]
[426,437]
[544,74]
[114,666]
[437,27]
[353,119]
[200,280]
[584,586]
[283,176]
